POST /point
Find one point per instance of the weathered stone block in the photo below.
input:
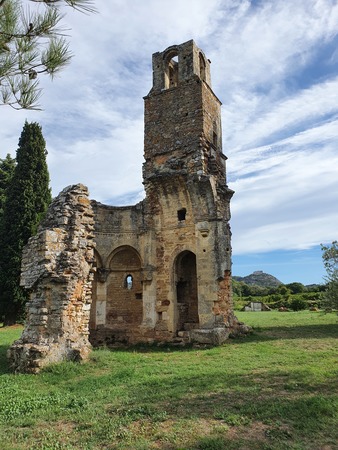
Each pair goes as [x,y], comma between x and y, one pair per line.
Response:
[214,336]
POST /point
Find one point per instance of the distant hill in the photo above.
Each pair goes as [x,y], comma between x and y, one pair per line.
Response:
[259,278]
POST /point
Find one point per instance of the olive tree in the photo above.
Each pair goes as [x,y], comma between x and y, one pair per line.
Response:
[330,260]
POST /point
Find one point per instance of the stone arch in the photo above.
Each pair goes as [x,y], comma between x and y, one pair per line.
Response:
[185,276]
[171,61]
[124,309]
[122,256]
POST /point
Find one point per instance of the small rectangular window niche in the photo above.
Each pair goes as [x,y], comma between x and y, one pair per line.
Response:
[181,213]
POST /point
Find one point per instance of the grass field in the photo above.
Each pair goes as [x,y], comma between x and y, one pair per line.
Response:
[275,389]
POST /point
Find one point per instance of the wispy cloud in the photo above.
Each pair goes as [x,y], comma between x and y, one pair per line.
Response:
[288,116]
[274,66]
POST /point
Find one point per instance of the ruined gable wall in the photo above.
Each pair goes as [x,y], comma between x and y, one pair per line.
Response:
[57,269]
[125,245]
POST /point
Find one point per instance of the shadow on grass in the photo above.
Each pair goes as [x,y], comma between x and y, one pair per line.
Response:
[4,366]
[215,442]
[263,412]
[293,332]
[205,391]
[258,334]
[7,336]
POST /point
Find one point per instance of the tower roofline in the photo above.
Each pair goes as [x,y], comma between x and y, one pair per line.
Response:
[177,64]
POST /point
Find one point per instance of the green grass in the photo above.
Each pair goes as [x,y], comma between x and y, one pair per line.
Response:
[275,389]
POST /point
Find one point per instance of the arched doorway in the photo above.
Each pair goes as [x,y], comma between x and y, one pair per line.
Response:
[124,308]
[186,291]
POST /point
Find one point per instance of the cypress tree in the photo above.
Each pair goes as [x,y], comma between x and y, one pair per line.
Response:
[7,166]
[28,197]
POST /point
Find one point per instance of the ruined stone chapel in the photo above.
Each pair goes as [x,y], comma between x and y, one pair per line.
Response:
[158,271]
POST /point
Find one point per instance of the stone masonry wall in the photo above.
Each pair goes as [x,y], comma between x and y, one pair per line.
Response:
[57,269]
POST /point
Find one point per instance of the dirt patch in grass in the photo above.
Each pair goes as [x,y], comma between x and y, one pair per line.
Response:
[64,427]
[257,431]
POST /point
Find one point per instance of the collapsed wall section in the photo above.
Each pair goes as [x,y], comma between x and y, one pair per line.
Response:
[57,269]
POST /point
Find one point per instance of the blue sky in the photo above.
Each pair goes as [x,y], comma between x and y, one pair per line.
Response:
[274,67]
[287,265]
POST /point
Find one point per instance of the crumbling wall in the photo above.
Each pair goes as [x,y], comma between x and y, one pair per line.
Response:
[57,268]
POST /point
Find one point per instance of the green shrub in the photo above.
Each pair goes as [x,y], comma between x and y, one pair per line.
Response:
[298,304]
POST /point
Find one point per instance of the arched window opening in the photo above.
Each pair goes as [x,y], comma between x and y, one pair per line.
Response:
[202,67]
[171,71]
[128,282]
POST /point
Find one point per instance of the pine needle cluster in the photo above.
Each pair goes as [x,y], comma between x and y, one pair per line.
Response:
[32,42]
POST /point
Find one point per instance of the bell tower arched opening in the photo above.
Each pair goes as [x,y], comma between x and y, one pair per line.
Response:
[202,67]
[171,71]
[186,291]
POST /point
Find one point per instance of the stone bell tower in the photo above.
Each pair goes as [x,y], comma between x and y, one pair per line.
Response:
[187,198]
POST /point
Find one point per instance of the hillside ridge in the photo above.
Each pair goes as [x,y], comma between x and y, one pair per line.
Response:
[259,278]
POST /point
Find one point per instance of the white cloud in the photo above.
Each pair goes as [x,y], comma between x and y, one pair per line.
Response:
[263,41]
[280,108]
[110,166]
[264,157]
[289,114]
[288,205]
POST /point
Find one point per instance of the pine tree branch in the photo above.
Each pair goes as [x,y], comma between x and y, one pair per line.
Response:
[31,44]
[85,6]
